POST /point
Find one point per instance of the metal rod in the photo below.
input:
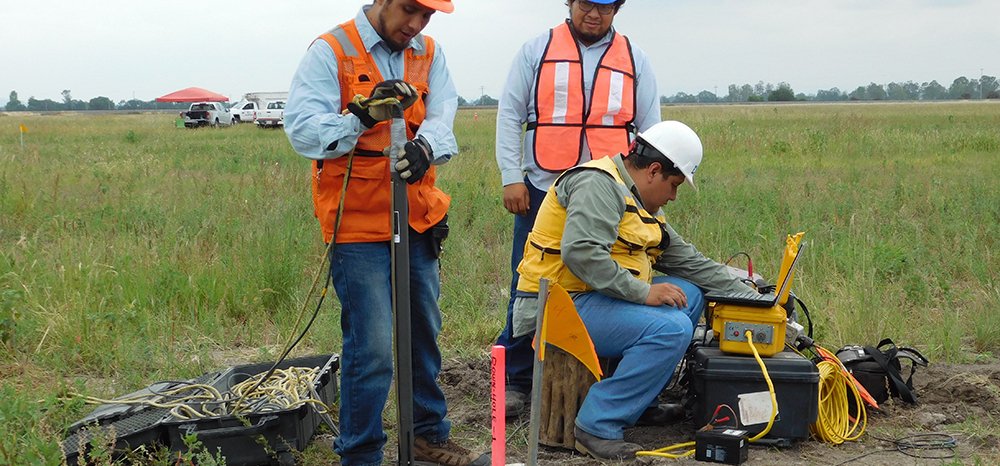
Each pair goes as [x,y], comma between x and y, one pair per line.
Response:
[401,292]
[536,376]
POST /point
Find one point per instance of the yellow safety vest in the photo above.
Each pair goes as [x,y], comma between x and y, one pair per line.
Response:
[636,248]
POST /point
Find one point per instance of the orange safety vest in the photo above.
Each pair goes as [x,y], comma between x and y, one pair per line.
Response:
[367,216]
[562,120]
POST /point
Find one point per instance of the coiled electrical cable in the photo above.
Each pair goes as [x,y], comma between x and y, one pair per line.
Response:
[284,389]
[835,424]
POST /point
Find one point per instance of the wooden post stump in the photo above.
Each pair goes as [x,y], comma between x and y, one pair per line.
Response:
[565,383]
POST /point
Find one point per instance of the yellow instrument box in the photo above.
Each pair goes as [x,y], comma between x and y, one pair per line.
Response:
[733,314]
[730,323]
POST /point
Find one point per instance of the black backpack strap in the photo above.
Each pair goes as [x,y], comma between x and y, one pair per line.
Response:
[893,353]
[889,362]
[912,355]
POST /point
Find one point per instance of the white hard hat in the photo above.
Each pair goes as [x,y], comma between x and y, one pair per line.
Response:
[678,143]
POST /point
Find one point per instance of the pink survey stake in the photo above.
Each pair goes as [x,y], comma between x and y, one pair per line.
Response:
[498,404]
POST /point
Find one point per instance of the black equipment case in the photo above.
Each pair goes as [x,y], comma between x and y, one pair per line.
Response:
[718,379]
[265,438]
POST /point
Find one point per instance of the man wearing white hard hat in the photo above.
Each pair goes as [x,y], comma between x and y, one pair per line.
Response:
[578,92]
[600,234]
[380,53]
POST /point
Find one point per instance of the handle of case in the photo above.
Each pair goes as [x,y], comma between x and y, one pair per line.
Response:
[240,430]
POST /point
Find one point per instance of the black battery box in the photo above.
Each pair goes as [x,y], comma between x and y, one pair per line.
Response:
[727,446]
[733,386]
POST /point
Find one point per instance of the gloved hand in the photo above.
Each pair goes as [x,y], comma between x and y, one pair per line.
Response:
[370,111]
[402,90]
[417,156]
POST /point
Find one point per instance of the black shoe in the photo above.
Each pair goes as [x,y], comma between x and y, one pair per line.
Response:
[604,449]
[662,415]
[517,404]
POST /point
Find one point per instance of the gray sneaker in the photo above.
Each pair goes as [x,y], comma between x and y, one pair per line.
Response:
[604,449]
[517,404]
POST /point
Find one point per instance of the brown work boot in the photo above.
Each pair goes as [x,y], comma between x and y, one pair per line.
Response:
[604,449]
[448,453]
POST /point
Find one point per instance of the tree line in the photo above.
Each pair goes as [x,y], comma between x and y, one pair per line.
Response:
[962,88]
[14,104]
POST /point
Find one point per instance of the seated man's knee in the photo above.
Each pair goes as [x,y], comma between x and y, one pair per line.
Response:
[675,329]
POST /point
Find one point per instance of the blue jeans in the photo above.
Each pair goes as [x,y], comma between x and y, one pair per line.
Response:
[361,277]
[520,355]
[650,340]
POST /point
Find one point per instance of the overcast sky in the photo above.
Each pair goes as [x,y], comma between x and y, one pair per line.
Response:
[143,49]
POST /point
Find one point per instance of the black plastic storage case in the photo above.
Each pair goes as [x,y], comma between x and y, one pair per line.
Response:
[263,438]
[266,438]
[720,379]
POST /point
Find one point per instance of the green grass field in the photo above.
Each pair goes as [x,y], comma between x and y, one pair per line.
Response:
[132,251]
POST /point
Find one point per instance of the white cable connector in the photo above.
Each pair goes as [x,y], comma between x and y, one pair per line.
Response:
[792,332]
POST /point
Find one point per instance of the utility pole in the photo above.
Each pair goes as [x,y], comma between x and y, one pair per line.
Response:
[980,84]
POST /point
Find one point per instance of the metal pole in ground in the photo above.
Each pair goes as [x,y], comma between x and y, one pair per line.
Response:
[534,425]
[401,292]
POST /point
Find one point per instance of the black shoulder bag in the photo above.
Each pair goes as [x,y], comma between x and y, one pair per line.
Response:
[880,371]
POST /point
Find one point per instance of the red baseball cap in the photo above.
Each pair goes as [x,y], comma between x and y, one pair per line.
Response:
[444,6]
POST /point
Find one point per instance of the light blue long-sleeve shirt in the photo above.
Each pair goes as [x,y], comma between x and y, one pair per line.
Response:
[517,107]
[313,119]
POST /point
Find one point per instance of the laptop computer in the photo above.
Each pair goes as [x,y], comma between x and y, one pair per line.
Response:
[754,299]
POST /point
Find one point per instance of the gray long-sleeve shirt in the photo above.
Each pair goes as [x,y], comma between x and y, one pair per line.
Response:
[594,208]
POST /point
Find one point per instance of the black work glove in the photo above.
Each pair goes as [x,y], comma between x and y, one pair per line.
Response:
[417,156]
[401,90]
[371,112]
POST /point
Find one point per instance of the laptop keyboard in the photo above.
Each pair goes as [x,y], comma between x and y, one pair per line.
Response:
[748,297]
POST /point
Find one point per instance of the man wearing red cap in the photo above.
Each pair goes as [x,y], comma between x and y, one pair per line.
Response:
[380,53]
[577,92]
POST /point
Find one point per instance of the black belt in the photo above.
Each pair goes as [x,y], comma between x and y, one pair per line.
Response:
[358,153]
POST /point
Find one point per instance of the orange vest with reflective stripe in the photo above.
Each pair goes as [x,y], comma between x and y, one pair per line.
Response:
[563,120]
[367,216]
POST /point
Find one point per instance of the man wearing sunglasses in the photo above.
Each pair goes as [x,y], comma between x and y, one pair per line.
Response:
[578,92]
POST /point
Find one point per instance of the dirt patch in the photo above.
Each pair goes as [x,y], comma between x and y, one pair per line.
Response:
[956,400]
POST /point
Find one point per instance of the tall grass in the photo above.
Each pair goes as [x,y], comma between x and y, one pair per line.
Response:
[133,251]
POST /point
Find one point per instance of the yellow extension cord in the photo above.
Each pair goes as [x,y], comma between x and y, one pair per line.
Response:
[834,423]
[665,451]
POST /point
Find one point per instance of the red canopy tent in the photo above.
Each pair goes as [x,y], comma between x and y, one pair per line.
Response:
[192,94]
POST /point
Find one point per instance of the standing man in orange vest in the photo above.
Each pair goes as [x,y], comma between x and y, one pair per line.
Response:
[380,53]
[582,90]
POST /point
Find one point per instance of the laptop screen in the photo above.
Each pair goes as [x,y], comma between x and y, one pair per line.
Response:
[786,280]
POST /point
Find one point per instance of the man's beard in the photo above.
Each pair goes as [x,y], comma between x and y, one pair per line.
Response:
[394,46]
[591,38]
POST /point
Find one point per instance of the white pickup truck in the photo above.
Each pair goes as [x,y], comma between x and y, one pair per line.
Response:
[244,111]
[206,113]
[272,115]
